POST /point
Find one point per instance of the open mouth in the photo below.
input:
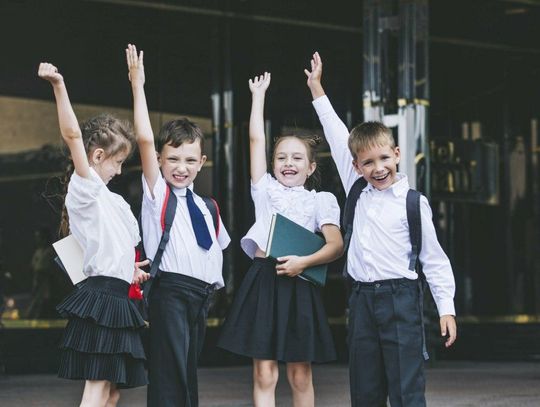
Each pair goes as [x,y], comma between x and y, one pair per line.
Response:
[289,173]
[179,178]
[381,178]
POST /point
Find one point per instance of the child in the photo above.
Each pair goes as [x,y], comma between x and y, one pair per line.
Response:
[385,328]
[275,316]
[101,343]
[190,269]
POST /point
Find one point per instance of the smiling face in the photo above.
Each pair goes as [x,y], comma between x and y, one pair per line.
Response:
[107,167]
[180,165]
[378,165]
[291,162]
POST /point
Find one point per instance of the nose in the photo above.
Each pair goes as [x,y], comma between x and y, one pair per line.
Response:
[288,161]
[119,170]
[379,166]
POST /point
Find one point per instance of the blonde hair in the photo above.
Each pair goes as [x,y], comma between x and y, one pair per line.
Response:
[367,135]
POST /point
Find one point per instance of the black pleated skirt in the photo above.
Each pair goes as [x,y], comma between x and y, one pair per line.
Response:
[277,318]
[102,340]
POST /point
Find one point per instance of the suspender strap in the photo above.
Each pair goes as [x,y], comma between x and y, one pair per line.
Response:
[167,218]
[415,226]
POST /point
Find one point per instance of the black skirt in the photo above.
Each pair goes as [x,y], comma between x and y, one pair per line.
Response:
[102,340]
[277,318]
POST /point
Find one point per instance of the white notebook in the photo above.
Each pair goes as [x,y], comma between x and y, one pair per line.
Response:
[71,254]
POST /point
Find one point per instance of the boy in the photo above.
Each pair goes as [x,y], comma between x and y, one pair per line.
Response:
[385,324]
[190,268]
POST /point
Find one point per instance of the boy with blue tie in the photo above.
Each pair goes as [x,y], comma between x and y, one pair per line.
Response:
[191,265]
[386,349]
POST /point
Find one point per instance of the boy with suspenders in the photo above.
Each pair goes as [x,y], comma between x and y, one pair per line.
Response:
[388,229]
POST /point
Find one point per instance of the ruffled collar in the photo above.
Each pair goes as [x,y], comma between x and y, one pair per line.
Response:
[295,203]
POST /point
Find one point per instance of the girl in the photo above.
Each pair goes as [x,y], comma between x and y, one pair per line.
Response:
[101,342]
[276,316]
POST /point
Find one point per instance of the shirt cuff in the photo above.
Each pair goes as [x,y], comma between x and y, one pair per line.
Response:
[446,307]
[322,105]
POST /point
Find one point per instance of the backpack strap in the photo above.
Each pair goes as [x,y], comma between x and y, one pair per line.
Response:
[213,207]
[167,217]
[415,227]
[348,212]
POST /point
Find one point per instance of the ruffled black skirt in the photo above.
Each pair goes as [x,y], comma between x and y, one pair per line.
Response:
[277,318]
[102,340]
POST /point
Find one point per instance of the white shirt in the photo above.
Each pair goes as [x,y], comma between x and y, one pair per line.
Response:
[380,246]
[103,224]
[182,254]
[309,209]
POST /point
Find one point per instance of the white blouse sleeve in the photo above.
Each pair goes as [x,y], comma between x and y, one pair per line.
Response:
[260,187]
[327,210]
[85,190]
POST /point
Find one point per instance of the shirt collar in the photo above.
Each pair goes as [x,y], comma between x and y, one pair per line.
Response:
[181,191]
[398,188]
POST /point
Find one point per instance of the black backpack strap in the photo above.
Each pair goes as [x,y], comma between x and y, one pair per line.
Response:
[348,211]
[167,217]
[213,207]
[415,226]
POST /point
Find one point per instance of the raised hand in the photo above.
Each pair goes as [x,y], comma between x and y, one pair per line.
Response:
[135,65]
[49,72]
[259,84]
[314,76]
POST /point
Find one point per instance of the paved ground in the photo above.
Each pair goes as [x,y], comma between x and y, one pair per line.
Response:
[449,384]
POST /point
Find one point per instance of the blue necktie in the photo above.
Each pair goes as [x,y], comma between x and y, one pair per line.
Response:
[197,221]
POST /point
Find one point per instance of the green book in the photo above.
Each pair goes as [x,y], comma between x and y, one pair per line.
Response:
[289,238]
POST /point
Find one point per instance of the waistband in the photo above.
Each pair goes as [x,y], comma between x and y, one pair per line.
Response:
[111,285]
[187,281]
[390,283]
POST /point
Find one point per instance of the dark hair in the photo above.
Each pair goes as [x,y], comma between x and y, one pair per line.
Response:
[311,142]
[368,135]
[103,131]
[179,131]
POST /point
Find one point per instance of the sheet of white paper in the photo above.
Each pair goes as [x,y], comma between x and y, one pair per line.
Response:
[72,256]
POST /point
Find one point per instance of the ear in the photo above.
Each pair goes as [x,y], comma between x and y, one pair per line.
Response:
[357,167]
[203,160]
[312,168]
[97,156]
[397,152]
[158,156]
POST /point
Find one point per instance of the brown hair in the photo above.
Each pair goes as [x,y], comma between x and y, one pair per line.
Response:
[179,131]
[368,135]
[103,131]
[311,142]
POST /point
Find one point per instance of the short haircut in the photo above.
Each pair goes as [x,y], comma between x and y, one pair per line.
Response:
[179,131]
[368,135]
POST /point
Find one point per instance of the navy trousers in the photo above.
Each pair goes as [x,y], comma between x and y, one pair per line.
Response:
[178,307]
[385,344]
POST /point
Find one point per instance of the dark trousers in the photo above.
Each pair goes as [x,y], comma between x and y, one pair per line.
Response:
[385,344]
[178,307]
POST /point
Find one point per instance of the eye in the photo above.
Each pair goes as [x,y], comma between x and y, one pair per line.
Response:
[172,159]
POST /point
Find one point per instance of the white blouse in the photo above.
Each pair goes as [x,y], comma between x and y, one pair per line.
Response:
[104,226]
[309,209]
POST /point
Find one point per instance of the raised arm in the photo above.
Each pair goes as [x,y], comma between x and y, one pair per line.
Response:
[335,131]
[314,76]
[257,139]
[69,127]
[141,118]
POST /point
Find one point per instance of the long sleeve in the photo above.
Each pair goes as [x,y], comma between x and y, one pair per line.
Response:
[337,135]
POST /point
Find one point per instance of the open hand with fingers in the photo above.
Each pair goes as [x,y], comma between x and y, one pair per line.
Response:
[139,275]
[49,72]
[314,76]
[259,84]
[135,65]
